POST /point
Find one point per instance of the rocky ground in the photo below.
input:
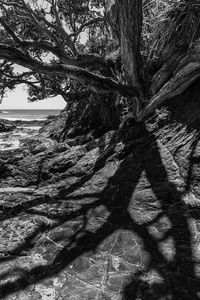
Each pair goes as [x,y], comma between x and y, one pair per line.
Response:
[116,217]
[14,133]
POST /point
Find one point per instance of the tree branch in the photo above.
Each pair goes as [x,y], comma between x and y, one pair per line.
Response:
[95,62]
[9,31]
[165,73]
[61,29]
[11,3]
[97,83]
[186,73]
[17,77]
[46,46]
[39,20]
[34,17]
[83,26]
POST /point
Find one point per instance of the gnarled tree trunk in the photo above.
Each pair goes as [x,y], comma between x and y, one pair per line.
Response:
[125,19]
[179,70]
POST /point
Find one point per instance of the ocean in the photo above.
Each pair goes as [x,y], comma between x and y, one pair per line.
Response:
[28,114]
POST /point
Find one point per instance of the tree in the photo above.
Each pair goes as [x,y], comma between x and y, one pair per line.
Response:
[54,40]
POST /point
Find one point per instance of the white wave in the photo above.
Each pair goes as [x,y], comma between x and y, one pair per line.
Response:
[22,119]
[4,112]
[31,127]
[11,189]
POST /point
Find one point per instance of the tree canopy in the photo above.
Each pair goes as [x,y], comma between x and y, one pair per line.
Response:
[144,50]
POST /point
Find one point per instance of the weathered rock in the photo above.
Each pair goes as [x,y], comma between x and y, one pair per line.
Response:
[54,126]
[109,218]
[5,126]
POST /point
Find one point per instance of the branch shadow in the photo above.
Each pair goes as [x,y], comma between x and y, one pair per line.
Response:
[193,160]
[128,205]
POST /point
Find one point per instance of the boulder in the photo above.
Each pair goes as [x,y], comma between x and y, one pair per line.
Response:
[5,127]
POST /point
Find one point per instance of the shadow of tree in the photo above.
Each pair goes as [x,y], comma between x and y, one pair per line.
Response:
[140,199]
[193,160]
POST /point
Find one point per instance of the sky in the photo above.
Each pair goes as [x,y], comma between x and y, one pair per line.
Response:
[17,99]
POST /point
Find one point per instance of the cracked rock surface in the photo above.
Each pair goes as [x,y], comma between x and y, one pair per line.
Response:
[110,218]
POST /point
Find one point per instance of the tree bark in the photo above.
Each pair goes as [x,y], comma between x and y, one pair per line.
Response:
[187,72]
[125,19]
[97,83]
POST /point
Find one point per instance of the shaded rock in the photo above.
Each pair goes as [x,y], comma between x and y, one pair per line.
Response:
[54,126]
[5,126]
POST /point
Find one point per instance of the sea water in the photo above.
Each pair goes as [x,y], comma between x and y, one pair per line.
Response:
[28,114]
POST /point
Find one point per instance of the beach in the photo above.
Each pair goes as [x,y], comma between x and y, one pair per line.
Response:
[26,124]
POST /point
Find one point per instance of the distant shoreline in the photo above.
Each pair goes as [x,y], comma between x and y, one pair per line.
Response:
[24,109]
[31,115]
